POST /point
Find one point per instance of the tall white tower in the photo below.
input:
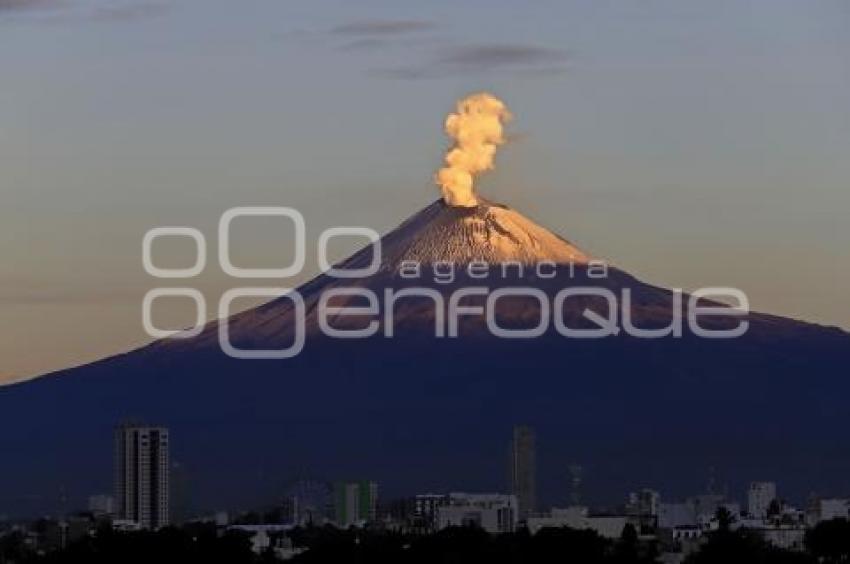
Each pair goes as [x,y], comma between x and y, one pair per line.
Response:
[523,469]
[141,475]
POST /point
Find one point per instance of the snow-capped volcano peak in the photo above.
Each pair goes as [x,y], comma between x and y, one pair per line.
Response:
[488,232]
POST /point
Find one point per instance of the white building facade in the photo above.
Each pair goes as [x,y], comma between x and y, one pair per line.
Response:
[495,513]
[142,476]
[759,497]
[577,517]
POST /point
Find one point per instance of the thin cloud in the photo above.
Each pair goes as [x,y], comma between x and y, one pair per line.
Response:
[383,28]
[403,73]
[528,60]
[21,5]
[364,44]
[64,11]
[130,12]
[495,55]
[542,71]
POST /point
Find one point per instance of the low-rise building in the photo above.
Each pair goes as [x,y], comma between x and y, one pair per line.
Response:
[827,509]
[425,509]
[686,532]
[495,513]
[673,515]
[577,517]
[101,505]
[790,537]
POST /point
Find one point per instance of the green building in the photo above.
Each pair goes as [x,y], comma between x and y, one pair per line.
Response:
[354,502]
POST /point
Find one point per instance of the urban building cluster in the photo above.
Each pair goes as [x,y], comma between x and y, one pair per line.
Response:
[675,528]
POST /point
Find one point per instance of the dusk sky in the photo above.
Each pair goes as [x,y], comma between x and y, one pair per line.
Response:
[691,145]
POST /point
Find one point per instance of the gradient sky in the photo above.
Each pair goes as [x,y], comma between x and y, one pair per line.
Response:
[692,144]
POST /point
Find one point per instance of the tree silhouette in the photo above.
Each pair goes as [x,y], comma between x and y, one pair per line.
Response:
[829,541]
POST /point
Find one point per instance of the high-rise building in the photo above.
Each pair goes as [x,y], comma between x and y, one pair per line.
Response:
[523,469]
[141,475]
[355,502]
[759,498]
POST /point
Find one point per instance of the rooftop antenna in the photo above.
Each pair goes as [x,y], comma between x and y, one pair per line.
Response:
[711,480]
[63,502]
[575,471]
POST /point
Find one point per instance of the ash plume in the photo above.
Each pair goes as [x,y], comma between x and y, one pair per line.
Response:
[477,130]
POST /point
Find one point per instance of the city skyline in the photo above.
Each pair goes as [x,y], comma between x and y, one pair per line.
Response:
[143,487]
[665,528]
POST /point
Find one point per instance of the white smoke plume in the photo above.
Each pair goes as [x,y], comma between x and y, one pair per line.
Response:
[477,130]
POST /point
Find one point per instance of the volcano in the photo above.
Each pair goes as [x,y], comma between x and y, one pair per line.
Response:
[420,412]
[438,238]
